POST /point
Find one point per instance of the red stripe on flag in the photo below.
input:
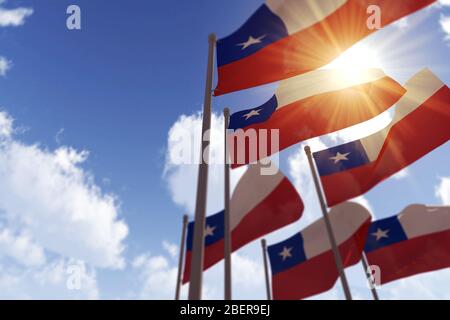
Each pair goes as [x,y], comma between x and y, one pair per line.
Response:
[418,255]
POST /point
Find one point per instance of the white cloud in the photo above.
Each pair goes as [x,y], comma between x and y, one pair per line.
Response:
[47,282]
[47,198]
[442,191]
[300,173]
[444,2]
[181,177]
[21,248]
[156,276]
[402,23]
[172,249]
[6,125]
[427,286]
[445,25]
[14,17]
[401,174]
[5,65]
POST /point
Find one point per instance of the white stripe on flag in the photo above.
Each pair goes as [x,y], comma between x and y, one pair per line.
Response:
[419,220]
[301,14]
[321,81]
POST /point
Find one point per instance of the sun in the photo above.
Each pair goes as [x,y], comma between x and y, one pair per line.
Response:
[353,63]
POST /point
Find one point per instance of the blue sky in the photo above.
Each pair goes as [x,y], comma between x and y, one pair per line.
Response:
[115,89]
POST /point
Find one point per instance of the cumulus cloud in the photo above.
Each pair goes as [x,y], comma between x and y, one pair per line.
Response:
[157,278]
[5,65]
[442,191]
[427,286]
[444,2]
[6,125]
[171,248]
[300,173]
[14,17]
[49,202]
[182,158]
[402,23]
[49,281]
[401,174]
[445,25]
[21,248]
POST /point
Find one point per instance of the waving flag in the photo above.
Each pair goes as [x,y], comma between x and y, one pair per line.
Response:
[415,241]
[304,265]
[285,38]
[260,204]
[420,124]
[308,106]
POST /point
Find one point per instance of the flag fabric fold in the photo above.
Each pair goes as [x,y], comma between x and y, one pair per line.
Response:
[260,204]
[285,38]
[307,106]
[415,241]
[420,125]
[304,265]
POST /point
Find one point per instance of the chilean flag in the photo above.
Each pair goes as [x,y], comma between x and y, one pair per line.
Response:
[285,38]
[415,241]
[304,265]
[420,125]
[259,205]
[307,106]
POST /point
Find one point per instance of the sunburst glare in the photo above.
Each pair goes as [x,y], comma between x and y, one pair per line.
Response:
[353,63]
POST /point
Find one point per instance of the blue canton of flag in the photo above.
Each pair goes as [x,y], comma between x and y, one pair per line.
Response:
[341,158]
[263,28]
[242,119]
[383,233]
[214,230]
[286,254]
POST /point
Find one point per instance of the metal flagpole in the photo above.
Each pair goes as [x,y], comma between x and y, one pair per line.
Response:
[366,271]
[198,247]
[332,238]
[227,231]
[181,256]
[266,269]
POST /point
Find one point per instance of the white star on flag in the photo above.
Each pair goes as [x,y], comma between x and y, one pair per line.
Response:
[381,234]
[209,231]
[252,114]
[339,157]
[251,41]
[286,253]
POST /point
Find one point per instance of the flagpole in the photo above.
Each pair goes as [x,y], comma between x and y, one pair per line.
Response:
[366,271]
[181,256]
[198,247]
[227,231]
[266,269]
[331,236]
